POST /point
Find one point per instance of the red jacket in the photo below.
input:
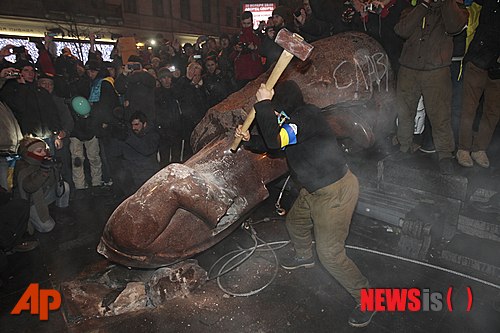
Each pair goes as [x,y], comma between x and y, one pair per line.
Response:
[247,63]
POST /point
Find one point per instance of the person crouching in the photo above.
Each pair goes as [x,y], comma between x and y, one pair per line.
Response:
[37,180]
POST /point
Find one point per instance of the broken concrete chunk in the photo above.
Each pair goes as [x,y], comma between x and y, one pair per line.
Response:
[174,281]
[132,298]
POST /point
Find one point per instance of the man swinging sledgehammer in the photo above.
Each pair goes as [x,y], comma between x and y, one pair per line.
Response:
[329,190]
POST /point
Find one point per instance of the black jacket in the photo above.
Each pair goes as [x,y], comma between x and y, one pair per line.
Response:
[138,88]
[193,102]
[139,152]
[484,49]
[216,87]
[314,160]
[168,113]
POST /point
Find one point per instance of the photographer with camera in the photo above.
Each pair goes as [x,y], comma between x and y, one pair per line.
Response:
[137,86]
[36,179]
[32,105]
[245,55]
[7,74]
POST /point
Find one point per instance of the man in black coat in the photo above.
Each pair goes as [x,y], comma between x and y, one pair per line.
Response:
[139,152]
[169,120]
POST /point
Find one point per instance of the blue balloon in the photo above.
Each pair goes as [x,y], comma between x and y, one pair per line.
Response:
[81,106]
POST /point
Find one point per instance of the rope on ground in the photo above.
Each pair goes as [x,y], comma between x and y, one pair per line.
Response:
[246,253]
[470,277]
[261,245]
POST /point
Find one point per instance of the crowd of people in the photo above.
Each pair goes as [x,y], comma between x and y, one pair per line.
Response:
[105,127]
[72,127]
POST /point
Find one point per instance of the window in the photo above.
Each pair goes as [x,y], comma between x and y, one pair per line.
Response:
[158,8]
[206,9]
[185,10]
[229,16]
[130,6]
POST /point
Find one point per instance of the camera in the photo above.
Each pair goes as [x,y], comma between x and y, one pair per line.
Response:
[197,56]
[134,67]
[15,74]
[298,12]
[171,68]
[244,47]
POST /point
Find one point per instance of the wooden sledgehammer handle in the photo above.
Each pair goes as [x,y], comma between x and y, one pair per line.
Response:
[278,69]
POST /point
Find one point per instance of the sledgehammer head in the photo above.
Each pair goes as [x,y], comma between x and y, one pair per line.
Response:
[294,44]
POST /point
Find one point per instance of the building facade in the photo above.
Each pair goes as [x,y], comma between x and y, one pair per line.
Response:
[184,20]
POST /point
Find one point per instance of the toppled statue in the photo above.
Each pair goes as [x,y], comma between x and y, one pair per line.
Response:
[186,208]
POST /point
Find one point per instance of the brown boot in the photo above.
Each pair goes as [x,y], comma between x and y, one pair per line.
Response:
[464,159]
[481,158]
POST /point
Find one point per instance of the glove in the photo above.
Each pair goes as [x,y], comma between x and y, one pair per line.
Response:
[46,165]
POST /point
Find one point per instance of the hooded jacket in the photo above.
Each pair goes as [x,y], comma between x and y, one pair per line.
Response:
[310,146]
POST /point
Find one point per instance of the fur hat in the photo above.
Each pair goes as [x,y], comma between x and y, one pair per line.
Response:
[30,144]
